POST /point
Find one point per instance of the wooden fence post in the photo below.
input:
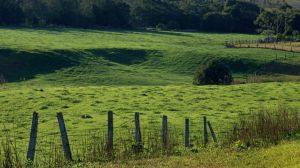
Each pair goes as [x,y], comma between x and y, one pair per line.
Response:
[64,136]
[187,132]
[285,57]
[165,131]
[138,134]
[110,144]
[205,130]
[212,132]
[33,136]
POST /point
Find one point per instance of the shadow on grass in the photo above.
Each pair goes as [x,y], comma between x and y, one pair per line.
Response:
[155,32]
[281,68]
[253,66]
[23,65]
[124,56]
[105,30]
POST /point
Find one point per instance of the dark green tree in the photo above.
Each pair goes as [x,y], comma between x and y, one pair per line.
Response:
[214,73]
[10,12]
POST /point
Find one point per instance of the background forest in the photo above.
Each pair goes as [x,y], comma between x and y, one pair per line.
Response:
[247,16]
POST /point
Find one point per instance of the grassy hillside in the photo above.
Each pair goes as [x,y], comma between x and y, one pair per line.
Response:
[92,57]
[220,104]
[88,72]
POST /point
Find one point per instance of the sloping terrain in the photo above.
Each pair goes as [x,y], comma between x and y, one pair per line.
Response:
[83,72]
[92,57]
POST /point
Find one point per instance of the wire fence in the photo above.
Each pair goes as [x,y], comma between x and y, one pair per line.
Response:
[92,144]
[269,43]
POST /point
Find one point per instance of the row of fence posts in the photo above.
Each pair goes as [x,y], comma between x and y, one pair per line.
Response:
[110,133]
[232,44]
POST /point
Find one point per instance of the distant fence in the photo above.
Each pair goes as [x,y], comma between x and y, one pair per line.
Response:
[289,46]
[107,143]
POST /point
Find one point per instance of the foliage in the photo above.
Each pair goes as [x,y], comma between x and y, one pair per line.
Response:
[177,14]
[280,21]
[214,72]
[230,16]
[266,126]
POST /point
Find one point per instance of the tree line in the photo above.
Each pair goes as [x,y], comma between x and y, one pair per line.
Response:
[201,15]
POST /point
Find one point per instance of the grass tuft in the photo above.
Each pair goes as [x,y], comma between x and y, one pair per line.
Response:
[266,126]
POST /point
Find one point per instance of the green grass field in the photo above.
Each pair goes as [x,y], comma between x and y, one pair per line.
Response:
[80,72]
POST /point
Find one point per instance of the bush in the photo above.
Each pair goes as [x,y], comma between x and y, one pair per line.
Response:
[215,73]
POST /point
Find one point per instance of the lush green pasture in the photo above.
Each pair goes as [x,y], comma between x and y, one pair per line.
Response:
[94,57]
[222,105]
[89,72]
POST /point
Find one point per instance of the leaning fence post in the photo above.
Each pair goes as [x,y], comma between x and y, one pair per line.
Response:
[138,134]
[64,136]
[212,132]
[165,131]
[187,132]
[33,136]
[110,144]
[205,130]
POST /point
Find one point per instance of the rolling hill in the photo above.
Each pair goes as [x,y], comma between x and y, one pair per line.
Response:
[92,57]
[84,72]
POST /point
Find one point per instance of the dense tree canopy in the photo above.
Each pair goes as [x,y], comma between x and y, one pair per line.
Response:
[283,20]
[203,15]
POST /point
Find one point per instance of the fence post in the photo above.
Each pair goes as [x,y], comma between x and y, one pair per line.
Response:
[187,132]
[110,144]
[285,57]
[138,134]
[64,136]
[33,136]
[212,132]
[205,130]
[165,131]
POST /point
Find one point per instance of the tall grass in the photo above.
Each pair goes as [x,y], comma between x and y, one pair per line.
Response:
[260,128]
[266,126]
[9,154]
[90,147]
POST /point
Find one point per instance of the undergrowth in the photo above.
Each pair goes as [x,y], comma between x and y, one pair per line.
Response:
[267,126]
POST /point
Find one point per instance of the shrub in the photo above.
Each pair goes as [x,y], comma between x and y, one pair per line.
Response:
[215,73]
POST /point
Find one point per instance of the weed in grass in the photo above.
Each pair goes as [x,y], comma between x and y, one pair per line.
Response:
[266,126]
